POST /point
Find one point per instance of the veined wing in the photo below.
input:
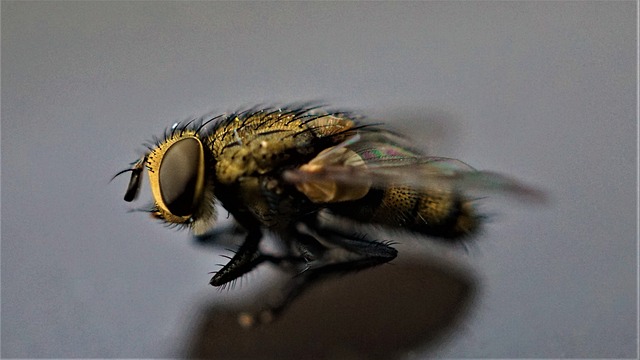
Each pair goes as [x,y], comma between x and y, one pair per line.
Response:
[380,159]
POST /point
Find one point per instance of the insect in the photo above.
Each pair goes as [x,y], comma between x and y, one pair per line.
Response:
[284,170]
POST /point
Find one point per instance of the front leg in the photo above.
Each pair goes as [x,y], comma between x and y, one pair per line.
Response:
[248,255]
[245,259]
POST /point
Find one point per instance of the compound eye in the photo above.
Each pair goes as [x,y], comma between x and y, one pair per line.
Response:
[181,176]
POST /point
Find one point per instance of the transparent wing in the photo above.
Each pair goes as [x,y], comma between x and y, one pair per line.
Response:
[380,159]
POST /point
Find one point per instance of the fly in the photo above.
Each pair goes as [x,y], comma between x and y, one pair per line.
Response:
[284,170]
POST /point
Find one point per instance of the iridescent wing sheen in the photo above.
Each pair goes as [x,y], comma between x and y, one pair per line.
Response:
[381,159]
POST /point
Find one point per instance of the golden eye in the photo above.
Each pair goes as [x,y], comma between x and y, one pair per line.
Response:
[179,174]
[178,182]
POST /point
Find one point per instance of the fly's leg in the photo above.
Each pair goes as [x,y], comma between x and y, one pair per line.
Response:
[342,254]
[246,258]
[248,255]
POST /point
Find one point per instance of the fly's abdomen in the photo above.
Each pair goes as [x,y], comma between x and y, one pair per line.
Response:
[436,213]
[440,214]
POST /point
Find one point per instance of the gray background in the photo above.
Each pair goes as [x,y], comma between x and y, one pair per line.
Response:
[544,91]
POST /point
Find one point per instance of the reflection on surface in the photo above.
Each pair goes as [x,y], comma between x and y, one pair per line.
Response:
[381,313]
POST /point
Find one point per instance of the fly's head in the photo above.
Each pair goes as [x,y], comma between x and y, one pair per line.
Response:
[179,176]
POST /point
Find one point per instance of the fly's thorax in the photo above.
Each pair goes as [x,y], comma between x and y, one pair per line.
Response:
[262,142]
[254,156]
[178,176]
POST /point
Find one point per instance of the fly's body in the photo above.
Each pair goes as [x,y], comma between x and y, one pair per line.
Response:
[277,170]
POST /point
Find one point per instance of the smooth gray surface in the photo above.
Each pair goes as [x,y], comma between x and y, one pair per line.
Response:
[545,91]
